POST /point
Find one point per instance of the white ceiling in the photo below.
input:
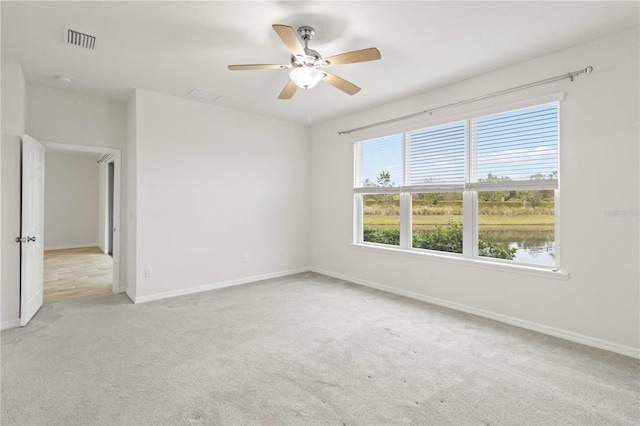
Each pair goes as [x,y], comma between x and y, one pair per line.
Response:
[173,47]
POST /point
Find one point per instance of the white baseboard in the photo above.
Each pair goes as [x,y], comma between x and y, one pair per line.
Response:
[214,286]
[10,324]
[71,246]
[551,331]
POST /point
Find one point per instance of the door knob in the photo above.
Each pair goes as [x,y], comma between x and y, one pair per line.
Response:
[21,240]
[29,239]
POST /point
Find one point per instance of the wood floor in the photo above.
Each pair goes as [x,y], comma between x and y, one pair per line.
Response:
[76,274]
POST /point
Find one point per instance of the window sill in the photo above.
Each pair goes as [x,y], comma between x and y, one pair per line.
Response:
[539,271]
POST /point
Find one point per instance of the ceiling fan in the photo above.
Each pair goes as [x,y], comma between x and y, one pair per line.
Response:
[305,62]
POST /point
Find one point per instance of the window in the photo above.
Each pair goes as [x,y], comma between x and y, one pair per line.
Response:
[381,218]
[485,187]
[436,221]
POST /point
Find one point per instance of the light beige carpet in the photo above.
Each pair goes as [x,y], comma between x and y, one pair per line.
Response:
[305,349]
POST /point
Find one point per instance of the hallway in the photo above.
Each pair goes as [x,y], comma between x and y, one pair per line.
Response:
[80,273]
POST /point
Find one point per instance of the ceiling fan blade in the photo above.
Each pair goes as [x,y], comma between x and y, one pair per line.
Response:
[370,54]
[258,67]
[340,83]
[288,91]
[290,38]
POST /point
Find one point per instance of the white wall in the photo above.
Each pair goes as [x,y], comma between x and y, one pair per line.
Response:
[599,304]
[71,200]
[75,118]
[130,212]
[214,184]
[13,127]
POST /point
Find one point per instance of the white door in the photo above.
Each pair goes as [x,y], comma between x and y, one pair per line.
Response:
[32,233]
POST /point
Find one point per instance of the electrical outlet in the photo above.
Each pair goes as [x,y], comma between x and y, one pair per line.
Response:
[245,258]
[281,254]
[148,271]
[431,275]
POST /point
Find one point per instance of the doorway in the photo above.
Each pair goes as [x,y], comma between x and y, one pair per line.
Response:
[89,270]
[110,185]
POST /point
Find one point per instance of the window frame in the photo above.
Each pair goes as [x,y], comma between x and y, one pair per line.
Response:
[470,254]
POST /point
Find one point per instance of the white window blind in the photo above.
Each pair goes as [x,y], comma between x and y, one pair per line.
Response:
[437,158]
[516,149]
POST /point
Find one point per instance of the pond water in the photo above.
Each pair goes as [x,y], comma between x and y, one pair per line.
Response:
[537,246]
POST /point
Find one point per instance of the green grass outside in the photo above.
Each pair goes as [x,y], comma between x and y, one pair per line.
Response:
[520,222]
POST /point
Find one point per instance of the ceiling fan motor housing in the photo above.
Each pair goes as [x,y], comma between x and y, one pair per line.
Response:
[310,59]
[306,32]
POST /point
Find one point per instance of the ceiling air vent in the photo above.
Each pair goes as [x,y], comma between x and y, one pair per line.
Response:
[80,39]
[204,95]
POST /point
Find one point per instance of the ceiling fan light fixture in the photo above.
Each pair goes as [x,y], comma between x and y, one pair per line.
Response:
[306,77]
